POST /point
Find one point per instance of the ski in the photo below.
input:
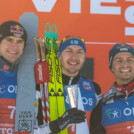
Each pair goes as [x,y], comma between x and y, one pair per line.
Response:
[51,84]
[25,101]
[56,92]
[58,75]
[52,92]
[42,77]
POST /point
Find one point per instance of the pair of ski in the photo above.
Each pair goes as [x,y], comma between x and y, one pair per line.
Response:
[49,76]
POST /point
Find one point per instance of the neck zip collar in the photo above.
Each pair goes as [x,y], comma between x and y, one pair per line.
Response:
[6,66]
[70,80]
[125,89]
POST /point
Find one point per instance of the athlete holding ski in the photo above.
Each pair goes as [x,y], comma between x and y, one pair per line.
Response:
[72,55]
[12,42]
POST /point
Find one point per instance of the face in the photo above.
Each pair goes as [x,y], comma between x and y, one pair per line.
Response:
[123,68]
[72,60]
[11,48]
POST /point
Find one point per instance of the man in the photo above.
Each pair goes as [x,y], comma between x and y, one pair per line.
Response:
[12,42]
[115,113]
[72,55]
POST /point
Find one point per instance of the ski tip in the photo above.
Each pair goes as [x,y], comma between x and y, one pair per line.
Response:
[47,28]
[54,29]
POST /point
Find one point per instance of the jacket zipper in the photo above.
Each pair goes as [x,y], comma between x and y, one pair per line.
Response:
[126,96]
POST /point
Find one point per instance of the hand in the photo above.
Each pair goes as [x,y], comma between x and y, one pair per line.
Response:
[71,116]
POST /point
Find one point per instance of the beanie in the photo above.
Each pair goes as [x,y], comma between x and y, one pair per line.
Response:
[117,48]
[12,28]
[71,40]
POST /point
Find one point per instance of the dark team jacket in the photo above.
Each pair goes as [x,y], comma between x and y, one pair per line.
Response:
[90,91]
[115,113]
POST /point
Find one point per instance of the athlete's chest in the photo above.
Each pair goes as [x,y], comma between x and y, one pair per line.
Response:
[118,111]
[8,85]
[84,93]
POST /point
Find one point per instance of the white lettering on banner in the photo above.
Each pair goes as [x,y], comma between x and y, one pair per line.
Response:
[128,111]
[129,14]
[6,130]
[75,6]
[129,31]
[96,8]
[12,89]
[117,113]
[86,101]
[12,112]
[44,5]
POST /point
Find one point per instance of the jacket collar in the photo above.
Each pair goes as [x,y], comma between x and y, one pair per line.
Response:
[125,89]
[6,66]
[70,80]
[119,91]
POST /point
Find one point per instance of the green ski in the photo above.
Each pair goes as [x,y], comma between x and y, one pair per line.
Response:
[51,83]
[58,76]
[55,86]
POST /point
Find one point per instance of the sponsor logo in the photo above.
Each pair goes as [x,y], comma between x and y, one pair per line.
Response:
[86,85]
[25,125]
[5,67]
[17,30]
[113,113]
[117,113]
[86,101]
[75,42]
[10,89]
[40,72]
[2,89]
[25,122]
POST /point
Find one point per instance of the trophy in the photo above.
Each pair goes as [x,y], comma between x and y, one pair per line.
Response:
[71,95]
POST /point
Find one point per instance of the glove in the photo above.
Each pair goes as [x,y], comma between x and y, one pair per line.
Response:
[43,129]
[71,116]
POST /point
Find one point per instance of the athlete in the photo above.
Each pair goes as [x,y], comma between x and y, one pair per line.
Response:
[114,114]
[72,55]
[12,43]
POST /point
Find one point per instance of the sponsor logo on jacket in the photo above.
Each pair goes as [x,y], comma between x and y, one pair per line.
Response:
[118,113]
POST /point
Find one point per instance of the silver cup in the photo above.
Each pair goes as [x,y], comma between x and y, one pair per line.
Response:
[71,95]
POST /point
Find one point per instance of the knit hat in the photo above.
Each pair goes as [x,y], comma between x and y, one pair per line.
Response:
[71,40]
[117,48]
[12,28]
